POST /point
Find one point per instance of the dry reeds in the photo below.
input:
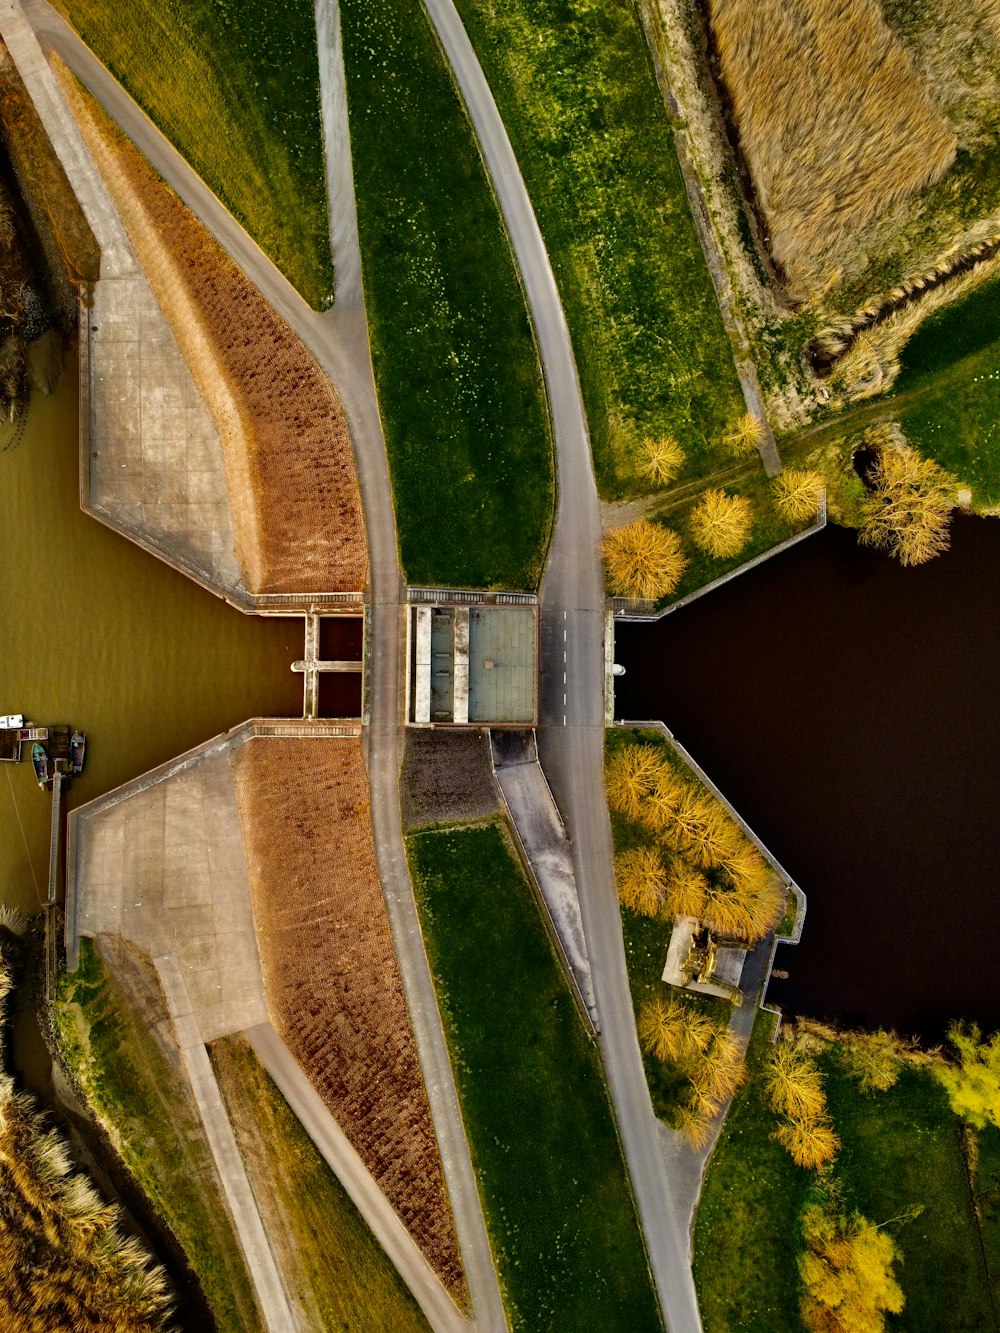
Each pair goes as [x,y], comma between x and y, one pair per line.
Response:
[662,459]
[65,1263]
[907,510]
[721,523]
[834,123]
[644,559]
[797,494]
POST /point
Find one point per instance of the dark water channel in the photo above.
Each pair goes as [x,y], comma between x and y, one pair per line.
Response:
[850,710]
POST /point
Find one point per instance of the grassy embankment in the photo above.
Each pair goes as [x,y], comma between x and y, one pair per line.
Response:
[901,1152]
[558,1206]
[456,367]
[144,1106]
[947,398]
[577,94]
[235,88]
[339,1275]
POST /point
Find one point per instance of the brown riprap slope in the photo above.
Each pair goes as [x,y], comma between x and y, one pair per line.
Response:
[290,472]
[330,971]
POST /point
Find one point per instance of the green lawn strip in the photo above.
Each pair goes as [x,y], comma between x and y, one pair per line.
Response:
[234,85]
[558,1206]
[456,366]
[150,1117]
[902,1149]
[748,1232]
[988,1193]
[769,530]
[575,86]
[351,1282]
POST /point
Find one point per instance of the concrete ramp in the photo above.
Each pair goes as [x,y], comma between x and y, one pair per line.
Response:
[545,845]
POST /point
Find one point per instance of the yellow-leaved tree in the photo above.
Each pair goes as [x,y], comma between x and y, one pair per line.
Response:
[721,523]
[907,510]
[847,1278]
[662,459]
[644,559]
[797,494]
[973,1081]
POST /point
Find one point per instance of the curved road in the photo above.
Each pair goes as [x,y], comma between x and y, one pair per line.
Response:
[338,340]
[571,734]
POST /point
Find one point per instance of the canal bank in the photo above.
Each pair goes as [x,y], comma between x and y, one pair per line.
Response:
[845,706]
[141,658]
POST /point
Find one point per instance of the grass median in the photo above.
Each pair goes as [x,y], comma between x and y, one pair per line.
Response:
[558,1206]
[456,367]
[339,1274]
[235,88]
[576,90]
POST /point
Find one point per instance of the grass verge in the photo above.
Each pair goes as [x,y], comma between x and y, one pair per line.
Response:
[747,1231]
[575,86]
[988,1194]
[337,1272]
[235,87]
[456,367]
[145,1107]
[901,1149]
[900,1164]
[558,1205]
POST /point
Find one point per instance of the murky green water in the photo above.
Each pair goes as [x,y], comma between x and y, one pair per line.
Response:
[100,635]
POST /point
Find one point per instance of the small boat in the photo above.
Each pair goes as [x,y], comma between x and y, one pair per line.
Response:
[40,763]
[77,751]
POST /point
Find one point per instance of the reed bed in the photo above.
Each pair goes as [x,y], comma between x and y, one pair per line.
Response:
[330,971]
[290,473]
[66,1264]
[834,123]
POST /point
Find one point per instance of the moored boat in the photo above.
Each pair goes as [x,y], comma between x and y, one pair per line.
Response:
[40,763]
[77,751]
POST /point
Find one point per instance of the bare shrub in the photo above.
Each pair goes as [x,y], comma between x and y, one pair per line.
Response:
[662,459]
[745,436]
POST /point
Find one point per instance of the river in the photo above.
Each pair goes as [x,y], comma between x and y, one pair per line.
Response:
[101,635]
[849,709]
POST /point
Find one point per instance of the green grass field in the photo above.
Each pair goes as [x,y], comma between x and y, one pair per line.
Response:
[902,1149]
[152,1121]
[988,1192]
[952,368]
[575,86]
[234,85]
[900,1165]
[456,367]
[558,1206]
[747,1234]
[351,1284]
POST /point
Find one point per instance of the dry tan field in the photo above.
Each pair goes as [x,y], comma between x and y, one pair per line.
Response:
[290,473]
[835,125]
[330,971]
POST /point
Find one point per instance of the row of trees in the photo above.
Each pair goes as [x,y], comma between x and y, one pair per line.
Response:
[703,1051]
[700,862]
[646,559]
[794,1089]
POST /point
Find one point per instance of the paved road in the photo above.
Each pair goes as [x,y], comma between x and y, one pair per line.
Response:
[571,735]
[339,342]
